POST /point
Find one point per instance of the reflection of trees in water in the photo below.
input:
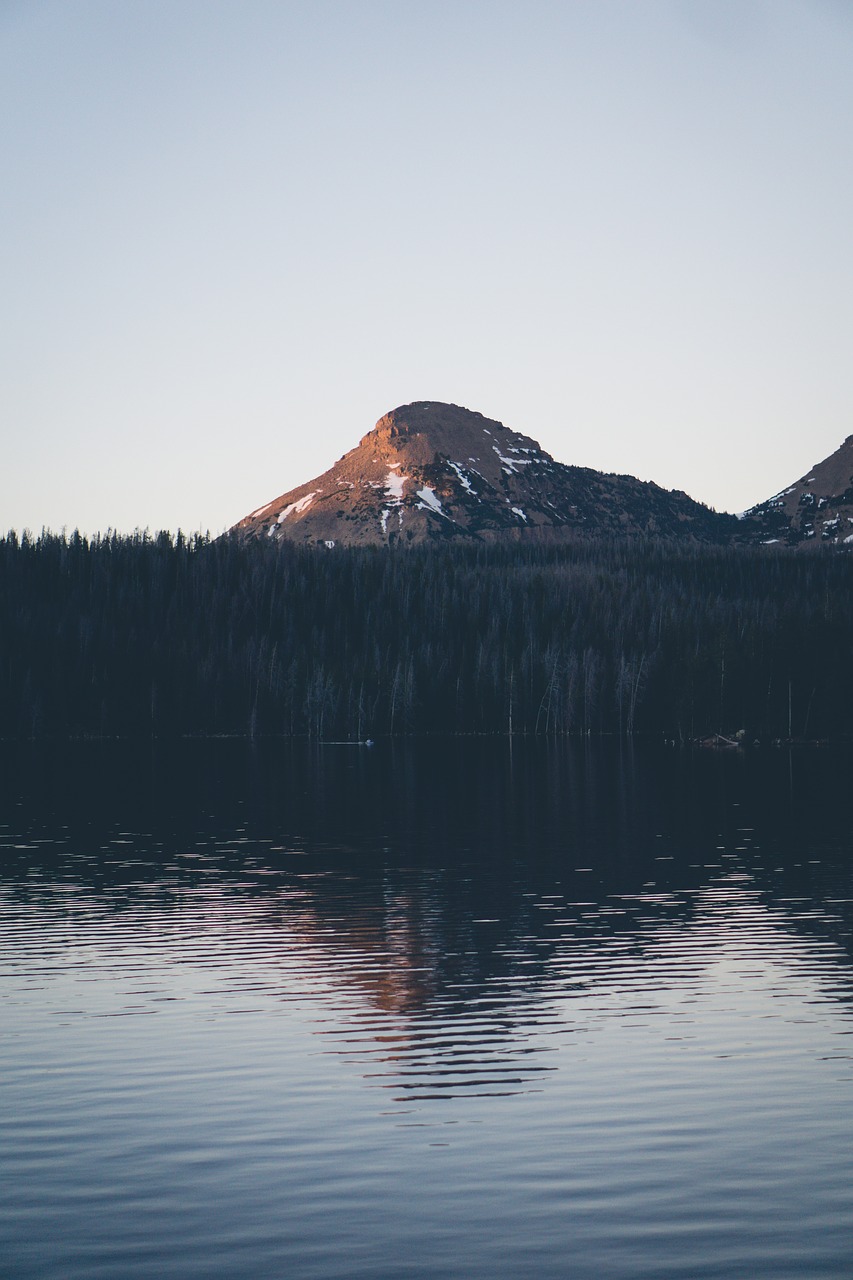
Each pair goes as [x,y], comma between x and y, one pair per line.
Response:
[402,970]
[409,951]
[452,903]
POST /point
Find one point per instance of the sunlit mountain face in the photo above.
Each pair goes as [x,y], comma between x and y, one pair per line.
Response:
[431,472]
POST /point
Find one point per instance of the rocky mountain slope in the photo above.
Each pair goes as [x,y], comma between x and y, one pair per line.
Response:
[815,510]
[430,471]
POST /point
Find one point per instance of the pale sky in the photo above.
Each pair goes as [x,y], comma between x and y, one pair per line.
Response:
[235,234]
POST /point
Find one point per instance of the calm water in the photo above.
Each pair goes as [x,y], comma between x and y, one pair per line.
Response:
[442,1010]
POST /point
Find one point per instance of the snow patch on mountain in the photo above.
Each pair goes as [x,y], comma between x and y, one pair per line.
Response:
[298,507]
[463,479]
[429,501]
[261,510]
[510,464]
[395,483]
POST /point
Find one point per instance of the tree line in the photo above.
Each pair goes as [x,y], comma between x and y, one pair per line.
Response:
[166,635]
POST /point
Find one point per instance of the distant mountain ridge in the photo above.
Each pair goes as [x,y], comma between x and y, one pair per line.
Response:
[817,509]
[432,472]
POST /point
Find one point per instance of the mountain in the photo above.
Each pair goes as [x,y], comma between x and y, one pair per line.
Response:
[430,471]
[817,509]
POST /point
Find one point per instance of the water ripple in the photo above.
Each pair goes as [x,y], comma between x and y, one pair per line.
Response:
[228,1050]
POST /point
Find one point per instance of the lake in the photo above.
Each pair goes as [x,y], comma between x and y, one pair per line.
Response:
[436,1009]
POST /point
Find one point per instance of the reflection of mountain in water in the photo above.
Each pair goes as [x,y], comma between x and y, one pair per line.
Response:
[448,910]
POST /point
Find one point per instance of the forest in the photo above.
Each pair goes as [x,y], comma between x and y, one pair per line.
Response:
[162,635]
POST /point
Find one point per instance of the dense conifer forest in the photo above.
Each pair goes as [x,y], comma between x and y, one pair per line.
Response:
[162,636]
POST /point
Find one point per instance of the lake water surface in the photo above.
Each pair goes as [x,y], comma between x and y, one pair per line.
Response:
[444,1009]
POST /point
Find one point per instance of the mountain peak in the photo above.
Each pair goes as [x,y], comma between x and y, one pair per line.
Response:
[428,430]
[431,471]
